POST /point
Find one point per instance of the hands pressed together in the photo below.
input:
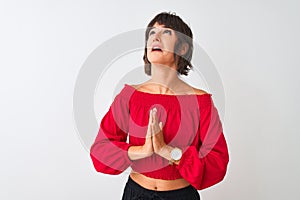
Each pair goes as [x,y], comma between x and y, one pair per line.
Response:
[154,141]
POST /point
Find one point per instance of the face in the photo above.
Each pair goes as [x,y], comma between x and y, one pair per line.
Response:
[160,45]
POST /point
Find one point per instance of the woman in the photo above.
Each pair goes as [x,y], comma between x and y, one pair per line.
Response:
[176,143]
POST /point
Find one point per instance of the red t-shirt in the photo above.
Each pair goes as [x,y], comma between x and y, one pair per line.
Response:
[190,122]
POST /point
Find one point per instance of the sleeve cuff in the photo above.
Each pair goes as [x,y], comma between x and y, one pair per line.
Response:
[187,157]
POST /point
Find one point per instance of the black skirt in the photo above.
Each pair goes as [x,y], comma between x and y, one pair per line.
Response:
[133,191]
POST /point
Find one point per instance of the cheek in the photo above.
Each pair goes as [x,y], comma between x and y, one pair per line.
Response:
[169,46]
[148,46]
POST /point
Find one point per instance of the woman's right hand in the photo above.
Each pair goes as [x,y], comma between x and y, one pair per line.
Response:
[147,148]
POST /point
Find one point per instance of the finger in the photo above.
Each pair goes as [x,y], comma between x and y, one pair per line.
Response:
[152,130]
[150,118]
[149,130]
[155,129]
[160,125]
[154,118]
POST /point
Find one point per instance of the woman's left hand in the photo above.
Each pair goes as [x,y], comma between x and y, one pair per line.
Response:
[157,133]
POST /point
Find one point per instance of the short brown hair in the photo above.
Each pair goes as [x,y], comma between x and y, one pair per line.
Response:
[171,20]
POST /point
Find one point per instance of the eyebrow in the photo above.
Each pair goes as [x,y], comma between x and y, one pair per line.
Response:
[152,27]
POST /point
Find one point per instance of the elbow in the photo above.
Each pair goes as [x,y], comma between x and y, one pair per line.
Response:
[98,166]
[221,172]
[215,176]
[223,168]
[102,168]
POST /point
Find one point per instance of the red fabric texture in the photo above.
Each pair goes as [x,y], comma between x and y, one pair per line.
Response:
[190,122]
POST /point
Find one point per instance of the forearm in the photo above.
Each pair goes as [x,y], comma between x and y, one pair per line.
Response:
[137,152]
[165,152]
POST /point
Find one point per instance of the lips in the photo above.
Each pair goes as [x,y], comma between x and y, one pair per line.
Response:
[156,47]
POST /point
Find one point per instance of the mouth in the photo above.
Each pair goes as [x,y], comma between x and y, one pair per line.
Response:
[156,48]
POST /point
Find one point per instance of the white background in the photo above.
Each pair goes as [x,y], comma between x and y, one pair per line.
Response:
[43,44]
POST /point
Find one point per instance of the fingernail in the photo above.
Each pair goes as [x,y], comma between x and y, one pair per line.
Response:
[154,109]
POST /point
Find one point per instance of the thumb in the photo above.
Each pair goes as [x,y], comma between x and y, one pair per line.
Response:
[160,125]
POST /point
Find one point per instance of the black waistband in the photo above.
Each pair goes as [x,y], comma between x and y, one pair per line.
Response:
[177,192]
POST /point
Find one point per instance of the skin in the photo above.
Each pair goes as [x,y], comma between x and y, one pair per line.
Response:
[164,80]
[154,141]
[166,38]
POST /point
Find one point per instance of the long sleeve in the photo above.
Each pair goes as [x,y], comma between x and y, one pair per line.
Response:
[109,150]
[205,165]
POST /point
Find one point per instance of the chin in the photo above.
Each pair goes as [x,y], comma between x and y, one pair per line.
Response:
[157,62]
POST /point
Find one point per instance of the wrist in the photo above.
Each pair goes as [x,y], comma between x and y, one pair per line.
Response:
[164,151]
[175,154]
[138,152]
[145,151]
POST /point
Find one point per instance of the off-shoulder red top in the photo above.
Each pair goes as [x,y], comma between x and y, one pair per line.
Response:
[190,122]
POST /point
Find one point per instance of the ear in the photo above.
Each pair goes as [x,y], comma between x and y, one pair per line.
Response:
[184,48]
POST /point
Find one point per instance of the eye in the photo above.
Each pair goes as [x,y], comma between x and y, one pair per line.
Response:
[168,32]
[151,32]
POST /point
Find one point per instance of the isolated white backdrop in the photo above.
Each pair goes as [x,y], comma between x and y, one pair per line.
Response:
[254,45]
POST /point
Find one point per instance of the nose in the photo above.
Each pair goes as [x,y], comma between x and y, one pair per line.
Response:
[156,37]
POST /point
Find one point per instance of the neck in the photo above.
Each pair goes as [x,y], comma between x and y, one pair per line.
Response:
[164,78]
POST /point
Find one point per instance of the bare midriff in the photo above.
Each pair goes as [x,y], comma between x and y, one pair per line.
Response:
[158,184]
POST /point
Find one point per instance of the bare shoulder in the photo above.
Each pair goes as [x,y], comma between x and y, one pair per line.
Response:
[140,87]
[136,86]
[196,91]
[188,89]
[199,91]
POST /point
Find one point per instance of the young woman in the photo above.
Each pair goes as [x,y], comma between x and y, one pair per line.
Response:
[176,142]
